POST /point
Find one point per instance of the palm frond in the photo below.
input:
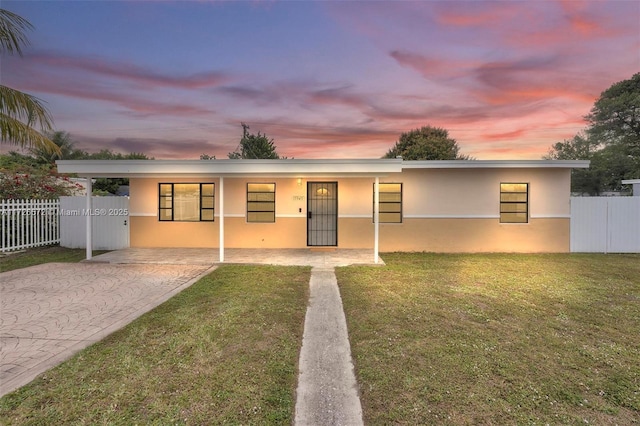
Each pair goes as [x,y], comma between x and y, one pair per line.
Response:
[16,132]
[12,32]
[24,107]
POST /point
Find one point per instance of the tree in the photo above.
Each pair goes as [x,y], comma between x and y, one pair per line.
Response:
[426,143]
[254,147]
[107,154]
[16,161]
[67,149]
[580,147]
[20,112]
[615,116]
[611,141]
[111,185]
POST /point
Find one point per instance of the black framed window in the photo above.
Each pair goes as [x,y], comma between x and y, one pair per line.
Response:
[390,202]
[261,202]
[514,203]
[186,202]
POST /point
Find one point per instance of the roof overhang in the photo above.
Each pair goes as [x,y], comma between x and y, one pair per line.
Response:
[497,164]
[230,168]
[631,182]
[285,168]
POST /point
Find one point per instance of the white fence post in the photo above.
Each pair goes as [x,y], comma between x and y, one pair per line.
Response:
[28,223]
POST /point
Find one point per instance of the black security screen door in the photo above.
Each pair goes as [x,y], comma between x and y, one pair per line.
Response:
[322,213]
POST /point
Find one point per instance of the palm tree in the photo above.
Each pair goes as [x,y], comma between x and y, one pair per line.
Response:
[20,112]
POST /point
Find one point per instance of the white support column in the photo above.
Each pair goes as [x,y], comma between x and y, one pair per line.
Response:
[88,220]
[221,217]
[376,218]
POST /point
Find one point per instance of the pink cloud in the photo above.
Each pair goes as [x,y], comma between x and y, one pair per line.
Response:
[581,20]
[431,67]
[474,14]
[515,134]
[76,78]
[338,96]
[126,72]
[534,79]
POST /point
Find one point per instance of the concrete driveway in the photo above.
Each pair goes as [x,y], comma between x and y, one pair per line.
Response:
[49,312]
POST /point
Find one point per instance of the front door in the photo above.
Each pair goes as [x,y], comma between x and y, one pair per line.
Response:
[322,213]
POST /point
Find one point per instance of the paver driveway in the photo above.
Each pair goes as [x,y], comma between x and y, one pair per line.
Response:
[48,312]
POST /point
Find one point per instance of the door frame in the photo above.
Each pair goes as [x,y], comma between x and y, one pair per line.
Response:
[311,204]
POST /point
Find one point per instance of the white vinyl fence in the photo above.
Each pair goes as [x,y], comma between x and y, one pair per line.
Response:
[109,222]
[605,224]
[28,223]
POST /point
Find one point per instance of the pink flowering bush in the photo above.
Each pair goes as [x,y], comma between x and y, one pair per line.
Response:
[38,185]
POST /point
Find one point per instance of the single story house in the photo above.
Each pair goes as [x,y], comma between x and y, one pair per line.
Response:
[378,204]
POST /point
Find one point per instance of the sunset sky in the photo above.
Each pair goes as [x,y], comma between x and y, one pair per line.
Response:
[324,79]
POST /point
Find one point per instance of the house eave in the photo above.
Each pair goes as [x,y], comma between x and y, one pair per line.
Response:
[496,164]
[230,168]
[286,168]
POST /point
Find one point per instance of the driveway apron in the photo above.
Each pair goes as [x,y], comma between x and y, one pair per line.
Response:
[49,312]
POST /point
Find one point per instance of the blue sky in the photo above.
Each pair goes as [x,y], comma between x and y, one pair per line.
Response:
[323,79]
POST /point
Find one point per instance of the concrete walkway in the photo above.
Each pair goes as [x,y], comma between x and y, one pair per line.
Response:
[327,390]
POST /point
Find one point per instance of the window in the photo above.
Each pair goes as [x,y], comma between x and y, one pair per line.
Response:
[514,202]
[261,202]
[186,202]
[390,202]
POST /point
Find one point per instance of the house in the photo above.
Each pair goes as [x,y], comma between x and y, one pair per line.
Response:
[378,204]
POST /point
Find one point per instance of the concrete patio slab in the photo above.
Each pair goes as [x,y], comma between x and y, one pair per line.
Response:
[207,256]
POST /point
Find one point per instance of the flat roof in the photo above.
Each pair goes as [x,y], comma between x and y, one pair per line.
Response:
[496,164]
[286,168]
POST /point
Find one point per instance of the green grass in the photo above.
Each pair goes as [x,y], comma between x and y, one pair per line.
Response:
[223,351]
[496,338]
[36,256]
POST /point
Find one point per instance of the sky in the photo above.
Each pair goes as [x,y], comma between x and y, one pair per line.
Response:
[323,79]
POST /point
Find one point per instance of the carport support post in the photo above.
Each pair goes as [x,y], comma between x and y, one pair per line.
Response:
[221,215]
[376,218]
[88,219]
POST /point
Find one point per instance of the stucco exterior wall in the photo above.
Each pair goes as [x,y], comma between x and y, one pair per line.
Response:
[444,210]
[147,231]
[465,193]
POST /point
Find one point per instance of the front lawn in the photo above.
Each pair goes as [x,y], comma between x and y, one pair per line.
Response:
[224,351]
[496,338]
